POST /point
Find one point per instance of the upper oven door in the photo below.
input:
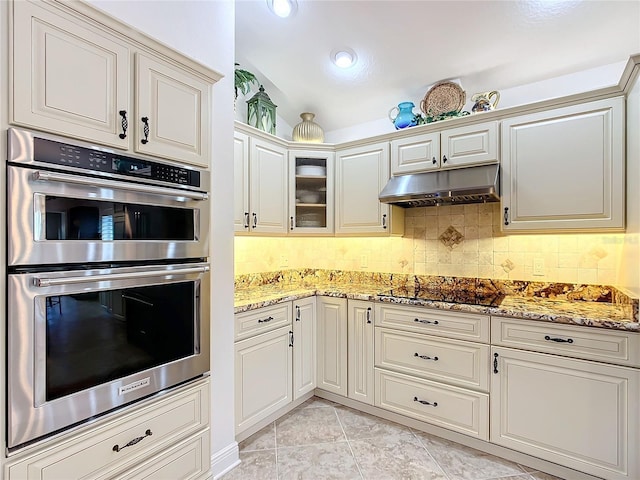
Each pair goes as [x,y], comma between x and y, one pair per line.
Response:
[59,217]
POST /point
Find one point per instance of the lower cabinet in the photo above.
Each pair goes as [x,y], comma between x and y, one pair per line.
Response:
[304,346]
[332,345]
[360,351]
[168,438]
[578,413]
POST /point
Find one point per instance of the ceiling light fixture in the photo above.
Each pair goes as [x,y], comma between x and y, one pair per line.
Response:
[344,57]
[283,8]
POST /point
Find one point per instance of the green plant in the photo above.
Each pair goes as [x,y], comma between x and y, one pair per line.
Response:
[243,80]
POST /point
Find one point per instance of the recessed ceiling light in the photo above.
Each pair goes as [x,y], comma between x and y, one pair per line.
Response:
[343,57]
[283,8]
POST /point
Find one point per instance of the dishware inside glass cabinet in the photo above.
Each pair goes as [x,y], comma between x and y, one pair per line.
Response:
[310,193]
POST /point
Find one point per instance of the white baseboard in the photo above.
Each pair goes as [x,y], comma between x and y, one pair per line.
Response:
[225,460]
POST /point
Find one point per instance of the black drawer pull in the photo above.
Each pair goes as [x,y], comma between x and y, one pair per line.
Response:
[495,363]
[424,402]
[117,448]
[424,357]
[559,340]
[434,322]
[268,319]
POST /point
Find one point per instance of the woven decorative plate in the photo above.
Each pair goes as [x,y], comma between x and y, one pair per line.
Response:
[442,98]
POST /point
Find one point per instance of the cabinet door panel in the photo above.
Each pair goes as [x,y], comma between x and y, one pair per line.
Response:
[564,169]
[417,153]
[268,198]
[360,351]
[263,376]
[361,173]
[177,106]
[68,78]
[240,182]
[577,413]
[332,345]
[470,145]
[304,346]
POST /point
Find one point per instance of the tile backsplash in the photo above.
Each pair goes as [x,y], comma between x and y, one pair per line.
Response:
[460,241]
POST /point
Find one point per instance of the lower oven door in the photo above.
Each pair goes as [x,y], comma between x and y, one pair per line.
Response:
[83,342]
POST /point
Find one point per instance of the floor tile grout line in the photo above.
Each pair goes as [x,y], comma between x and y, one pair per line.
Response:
[348,443]
[444,472]
[275,442]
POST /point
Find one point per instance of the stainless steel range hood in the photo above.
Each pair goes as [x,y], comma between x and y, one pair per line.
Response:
[458,186]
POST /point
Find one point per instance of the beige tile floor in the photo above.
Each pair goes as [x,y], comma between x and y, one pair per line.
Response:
[323,440]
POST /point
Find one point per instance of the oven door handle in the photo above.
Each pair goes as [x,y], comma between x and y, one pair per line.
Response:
[98,182]
[52,282]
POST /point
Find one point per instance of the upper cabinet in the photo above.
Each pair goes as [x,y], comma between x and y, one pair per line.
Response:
[74,76]
[311,191]
[453,148]
[361,173]
[563,169]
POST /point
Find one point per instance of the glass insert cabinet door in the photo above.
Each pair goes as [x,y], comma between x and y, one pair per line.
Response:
[311,192]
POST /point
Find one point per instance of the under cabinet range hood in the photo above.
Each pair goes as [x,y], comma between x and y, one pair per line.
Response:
[444,187]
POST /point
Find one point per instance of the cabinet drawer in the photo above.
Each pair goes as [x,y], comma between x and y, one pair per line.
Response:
[464,326]
[93,454]
[612,346]
[451,361]
[262,320]
[188,460]
[454,408]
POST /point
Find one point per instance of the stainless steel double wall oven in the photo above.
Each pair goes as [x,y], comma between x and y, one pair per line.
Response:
[108,281]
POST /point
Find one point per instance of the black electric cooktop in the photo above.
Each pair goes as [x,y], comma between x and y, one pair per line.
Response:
[469,297]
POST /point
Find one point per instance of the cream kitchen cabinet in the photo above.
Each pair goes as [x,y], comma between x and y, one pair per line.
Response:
[452,148]
[311,196]
[360,347]
[260,185]
[361,173]
[332,345]
[304,346]
[168,436]
[79,73]
[577,413]
[564,169]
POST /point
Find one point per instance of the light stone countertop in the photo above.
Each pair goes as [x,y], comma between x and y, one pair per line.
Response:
[572,312]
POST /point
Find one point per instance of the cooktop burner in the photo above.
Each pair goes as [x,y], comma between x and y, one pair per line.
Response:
[485,299]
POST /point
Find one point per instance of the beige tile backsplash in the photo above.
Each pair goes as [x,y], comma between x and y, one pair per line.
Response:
[461,240]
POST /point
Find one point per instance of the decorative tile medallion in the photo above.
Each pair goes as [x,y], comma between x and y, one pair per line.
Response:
[451,237]
[508,265]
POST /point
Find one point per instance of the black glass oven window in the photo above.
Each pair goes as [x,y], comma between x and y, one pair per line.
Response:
[96,337]
[80,219]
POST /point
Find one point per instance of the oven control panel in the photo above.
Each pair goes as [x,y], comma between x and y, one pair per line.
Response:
[59,153]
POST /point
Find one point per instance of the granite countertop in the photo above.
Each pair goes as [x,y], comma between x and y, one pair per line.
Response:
[558,303]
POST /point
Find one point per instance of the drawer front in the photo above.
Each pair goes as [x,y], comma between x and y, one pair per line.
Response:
[188,460]
[262,320]
[454,408]
[463,326]
[139,434]
[612,346]
[451,361]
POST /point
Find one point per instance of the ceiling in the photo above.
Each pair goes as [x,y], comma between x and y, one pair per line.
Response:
[404,47]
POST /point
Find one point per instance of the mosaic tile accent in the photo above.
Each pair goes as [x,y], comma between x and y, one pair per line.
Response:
[508,265]
[451,237]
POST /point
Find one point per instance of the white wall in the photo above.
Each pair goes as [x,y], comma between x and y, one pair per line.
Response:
[204,30]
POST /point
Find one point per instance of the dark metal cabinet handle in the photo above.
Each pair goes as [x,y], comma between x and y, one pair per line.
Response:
[495,363]
[255,220]
[291,223]
[424,357]
[297,313]
[434,161]
[424,402]
[559,340]
[384,221]
[117,448]
[145,130]
[290,338]
[444,159]
[266,320]
[369,315]
[434,322]
[125,124]
[506,215]
[246,219]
